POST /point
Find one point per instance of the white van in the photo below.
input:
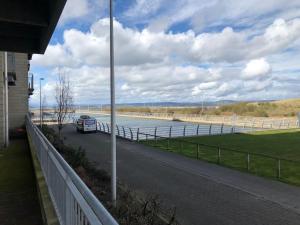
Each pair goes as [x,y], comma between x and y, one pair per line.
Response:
[86,123]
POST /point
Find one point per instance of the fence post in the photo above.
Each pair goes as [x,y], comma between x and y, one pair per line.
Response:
[248,161]
[198,129]
[155,130]
[137,135]
[131,134]
[219,155]
[103,127]
[184,130]
[124,134]
[222,128]
[198,147]
[170,132]
[278,168]
[118,130]
[210,126]
[107,128]
[280,124]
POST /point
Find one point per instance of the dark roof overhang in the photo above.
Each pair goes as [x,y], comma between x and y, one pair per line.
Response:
[27,25]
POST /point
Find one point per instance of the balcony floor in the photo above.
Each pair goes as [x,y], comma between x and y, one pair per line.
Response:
[18,195]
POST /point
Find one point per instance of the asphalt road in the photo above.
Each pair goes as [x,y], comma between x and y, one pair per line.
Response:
[202,193]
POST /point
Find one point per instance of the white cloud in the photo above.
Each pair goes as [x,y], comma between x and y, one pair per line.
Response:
[134,47]
[82,11]
[201,14]
[144,8]
[256,68]
[74,9]
[199,89]
[171,67]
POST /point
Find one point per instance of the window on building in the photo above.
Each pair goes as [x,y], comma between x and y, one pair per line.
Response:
[11,69]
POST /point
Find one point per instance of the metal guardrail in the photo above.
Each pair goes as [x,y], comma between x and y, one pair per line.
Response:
[133,133]
[73,201]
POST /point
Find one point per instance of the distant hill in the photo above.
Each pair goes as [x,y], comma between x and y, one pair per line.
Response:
[168,104]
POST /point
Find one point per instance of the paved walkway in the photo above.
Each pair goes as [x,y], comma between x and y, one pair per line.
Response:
[18,195]
[203,193]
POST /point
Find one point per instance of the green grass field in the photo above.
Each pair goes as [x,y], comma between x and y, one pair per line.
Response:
[264,148]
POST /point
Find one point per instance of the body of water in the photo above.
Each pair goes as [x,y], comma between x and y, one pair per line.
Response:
[141,128]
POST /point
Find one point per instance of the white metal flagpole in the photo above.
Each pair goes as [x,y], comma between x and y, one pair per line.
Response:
[112,112]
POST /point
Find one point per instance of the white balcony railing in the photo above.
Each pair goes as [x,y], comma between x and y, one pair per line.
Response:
[74,203]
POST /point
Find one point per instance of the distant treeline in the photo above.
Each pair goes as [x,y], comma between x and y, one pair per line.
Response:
[286,108]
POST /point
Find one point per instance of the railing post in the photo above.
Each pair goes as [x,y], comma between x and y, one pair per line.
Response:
[103,127]
[280,124]
[198,129]
[118,130]
[248,161]
[210,126]
[138,135]
[155,130]
[222,128]
[219,155]
[170,132]
[184,130]
[107,128]
[278,168]
[131,134]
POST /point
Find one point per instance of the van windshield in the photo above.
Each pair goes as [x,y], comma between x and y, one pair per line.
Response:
[85,117]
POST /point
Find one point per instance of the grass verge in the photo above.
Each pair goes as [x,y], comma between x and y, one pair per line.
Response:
[273,154]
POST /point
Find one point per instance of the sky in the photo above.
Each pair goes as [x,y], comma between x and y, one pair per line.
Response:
[175,50]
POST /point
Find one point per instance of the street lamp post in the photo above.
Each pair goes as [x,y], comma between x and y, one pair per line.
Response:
[41,102]
[6,101]
[113,113]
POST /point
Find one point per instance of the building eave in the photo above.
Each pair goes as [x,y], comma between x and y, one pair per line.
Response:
[27,26]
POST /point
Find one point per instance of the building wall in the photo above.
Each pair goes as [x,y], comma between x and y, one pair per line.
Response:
[18,95]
